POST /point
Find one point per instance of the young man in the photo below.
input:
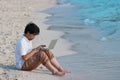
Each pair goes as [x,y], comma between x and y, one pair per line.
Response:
[28,58]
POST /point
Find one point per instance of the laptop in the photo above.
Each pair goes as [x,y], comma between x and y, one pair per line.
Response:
[52,44]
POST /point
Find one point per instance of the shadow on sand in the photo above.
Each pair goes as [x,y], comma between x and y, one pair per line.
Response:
[8,67]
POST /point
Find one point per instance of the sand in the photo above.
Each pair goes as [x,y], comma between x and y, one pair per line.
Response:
[14,15]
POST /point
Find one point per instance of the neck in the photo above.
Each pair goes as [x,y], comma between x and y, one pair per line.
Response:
[26,36]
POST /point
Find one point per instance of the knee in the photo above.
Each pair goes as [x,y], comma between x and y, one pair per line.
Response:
[49,54]
[42,53]
[43,57]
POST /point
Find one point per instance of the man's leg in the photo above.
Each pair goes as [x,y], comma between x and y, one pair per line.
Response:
[48,64]
[53,70]
[32,63]
[39,58]
[54,62]
[57,65]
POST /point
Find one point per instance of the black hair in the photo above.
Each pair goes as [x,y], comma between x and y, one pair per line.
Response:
[32,29]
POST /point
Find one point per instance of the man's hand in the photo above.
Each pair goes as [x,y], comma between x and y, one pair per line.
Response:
[40,47]
[34,50]
[43,45]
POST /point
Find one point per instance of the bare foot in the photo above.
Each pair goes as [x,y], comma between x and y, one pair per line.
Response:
[66,71]
[59,73]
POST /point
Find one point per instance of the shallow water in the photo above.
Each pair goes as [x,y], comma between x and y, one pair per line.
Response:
[102,14]
[93,27]
[95,61]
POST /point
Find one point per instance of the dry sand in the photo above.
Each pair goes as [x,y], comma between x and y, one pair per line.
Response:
[14,15]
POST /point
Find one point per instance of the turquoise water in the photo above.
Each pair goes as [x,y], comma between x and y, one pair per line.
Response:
[98,57]
[102,14]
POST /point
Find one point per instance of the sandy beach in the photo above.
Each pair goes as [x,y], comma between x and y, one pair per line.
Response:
[74,25]
[14,15]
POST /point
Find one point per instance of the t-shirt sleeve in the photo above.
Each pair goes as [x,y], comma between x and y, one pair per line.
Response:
[22,48]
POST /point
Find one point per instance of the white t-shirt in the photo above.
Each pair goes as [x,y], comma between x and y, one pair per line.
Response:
[23,47]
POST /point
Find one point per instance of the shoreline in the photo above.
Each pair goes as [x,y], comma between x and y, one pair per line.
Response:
[47,35]
[97,57]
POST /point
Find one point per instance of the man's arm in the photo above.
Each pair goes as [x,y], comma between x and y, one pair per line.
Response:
[30,54]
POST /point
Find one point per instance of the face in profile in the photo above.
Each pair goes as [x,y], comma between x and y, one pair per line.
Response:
[30,36]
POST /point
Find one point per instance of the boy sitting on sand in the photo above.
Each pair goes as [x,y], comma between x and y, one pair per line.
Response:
[28,58]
